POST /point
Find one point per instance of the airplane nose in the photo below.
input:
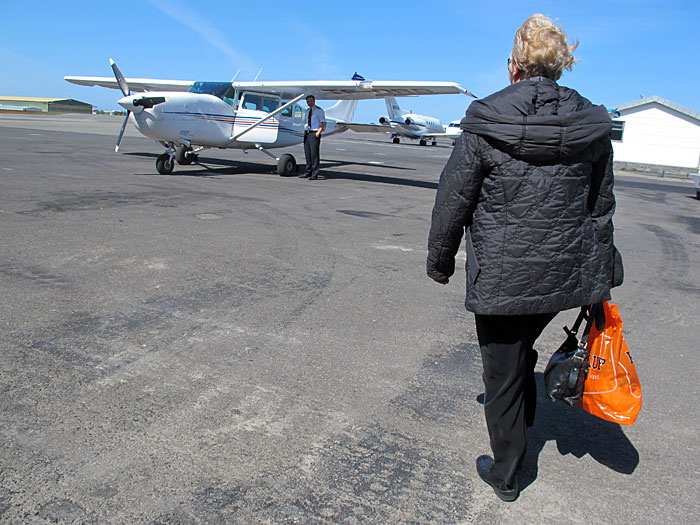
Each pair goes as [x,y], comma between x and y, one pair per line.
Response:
[128,104]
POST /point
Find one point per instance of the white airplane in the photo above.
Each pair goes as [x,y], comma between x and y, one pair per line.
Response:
[402,123]
[187,117]
[453,130]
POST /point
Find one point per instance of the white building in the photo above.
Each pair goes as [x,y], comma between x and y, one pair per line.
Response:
[655,131]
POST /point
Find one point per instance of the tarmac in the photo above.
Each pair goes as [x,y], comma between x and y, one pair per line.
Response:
[225,345]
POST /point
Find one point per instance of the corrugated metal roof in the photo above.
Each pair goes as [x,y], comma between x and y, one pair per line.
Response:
[41,99]
[660,100]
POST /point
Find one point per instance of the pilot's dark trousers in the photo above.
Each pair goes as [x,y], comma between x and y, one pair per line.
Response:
[509,361]
[312,150]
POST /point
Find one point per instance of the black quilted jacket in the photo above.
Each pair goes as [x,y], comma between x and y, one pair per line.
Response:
[531,182]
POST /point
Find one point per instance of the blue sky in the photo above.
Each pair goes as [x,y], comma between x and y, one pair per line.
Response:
[627,48]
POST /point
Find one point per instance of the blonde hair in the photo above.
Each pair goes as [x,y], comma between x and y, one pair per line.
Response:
[540,49]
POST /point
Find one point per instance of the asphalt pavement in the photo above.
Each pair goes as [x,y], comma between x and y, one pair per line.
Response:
[225,345]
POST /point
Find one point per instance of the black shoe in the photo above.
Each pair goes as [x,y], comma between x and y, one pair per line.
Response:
[484,464]
[313,177]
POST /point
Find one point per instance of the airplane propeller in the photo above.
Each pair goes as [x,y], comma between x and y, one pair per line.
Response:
[125,90]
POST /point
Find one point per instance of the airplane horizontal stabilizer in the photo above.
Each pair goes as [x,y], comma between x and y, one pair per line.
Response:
[366,128]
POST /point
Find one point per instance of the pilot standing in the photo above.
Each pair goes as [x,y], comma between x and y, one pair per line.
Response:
[314,125]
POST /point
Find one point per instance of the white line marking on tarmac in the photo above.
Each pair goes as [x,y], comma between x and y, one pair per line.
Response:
[8,169]
[394,247]
[375,162]
[34,134]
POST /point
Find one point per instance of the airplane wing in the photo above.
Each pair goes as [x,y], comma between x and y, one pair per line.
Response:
[353,90]
[135,84]
[321,89]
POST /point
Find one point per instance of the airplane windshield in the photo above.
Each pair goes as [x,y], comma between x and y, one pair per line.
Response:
[223,90]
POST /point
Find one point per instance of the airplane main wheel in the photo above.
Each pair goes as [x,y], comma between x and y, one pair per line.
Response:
[286,166]
[164,164]
[434,143]
[422,142]
[396,140]
[184,155]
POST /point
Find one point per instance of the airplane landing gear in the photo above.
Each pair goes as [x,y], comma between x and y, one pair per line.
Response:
[423,142]
[165,164]
[184,155]
[166,161]
[396,140]
[434,143]
[286,165]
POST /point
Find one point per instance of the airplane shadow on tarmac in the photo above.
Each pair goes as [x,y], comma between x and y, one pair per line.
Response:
[207,167]
[576,432]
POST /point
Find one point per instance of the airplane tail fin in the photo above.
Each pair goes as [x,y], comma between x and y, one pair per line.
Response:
[342,111]
[395,112]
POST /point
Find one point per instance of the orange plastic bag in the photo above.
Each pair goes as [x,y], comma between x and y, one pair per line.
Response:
[612,390]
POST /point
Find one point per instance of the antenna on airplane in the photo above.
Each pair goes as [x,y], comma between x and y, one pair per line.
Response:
[234,76]
[256,76]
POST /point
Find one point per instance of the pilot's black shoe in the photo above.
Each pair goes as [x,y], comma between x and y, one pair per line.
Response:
[484,464]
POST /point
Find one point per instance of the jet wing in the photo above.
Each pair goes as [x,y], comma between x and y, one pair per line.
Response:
[135,84]
[353,90]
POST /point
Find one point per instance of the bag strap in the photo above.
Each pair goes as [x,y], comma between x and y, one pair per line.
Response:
[579,361]
[597,314]
[583,314]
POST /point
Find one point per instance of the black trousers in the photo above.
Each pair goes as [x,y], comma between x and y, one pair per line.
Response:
[312,150]
[509,361]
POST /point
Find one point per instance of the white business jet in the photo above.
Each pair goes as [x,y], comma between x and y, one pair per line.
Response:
[187,117]
[401,123]
[453,130]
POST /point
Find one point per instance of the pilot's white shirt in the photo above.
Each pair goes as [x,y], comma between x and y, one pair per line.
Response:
[317,117]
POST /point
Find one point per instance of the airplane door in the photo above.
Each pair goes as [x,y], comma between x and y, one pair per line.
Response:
[251,108]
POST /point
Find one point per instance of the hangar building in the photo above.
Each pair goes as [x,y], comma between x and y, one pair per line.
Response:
[655,131]
[48,105]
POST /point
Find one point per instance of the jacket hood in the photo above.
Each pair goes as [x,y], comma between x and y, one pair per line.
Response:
[537,120]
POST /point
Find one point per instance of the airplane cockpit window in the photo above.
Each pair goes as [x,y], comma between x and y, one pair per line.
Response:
[270,104]
[287,112]
[223,90]
[251,101]
[298,112]
[260,102]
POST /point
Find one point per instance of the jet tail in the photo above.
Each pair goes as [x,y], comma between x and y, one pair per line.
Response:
[395,112]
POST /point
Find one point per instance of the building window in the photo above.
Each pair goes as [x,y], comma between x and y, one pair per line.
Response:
[617,129]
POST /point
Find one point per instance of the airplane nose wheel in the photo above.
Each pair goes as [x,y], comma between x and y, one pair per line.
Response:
[165,164]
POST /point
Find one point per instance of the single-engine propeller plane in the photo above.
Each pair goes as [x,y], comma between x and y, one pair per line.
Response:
[187,117]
